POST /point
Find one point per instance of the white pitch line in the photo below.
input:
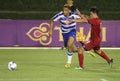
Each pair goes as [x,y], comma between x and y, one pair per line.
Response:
[29,47]
[103,79]
[48,79]
[111,48]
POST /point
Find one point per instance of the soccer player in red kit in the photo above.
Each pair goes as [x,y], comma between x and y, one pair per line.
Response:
[95,38]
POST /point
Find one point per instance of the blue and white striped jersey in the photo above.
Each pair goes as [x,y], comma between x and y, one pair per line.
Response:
[66,26]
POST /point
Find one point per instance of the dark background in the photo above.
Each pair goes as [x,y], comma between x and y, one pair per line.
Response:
[45,9]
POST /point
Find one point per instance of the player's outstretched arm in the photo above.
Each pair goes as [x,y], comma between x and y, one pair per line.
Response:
[78,12]
[51,25]
[79,20]
[84,18]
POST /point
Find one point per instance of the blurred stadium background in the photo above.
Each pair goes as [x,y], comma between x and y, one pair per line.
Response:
[45,9]
[21,16]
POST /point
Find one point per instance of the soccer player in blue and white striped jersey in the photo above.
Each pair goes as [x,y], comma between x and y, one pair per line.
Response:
[68,30]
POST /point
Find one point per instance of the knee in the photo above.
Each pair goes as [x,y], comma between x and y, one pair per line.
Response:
[69,48]
[98,51]
[81,50]
[69,45]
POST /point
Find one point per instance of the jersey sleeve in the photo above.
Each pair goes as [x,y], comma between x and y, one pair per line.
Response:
[95,21]
[77,16]
[57,16]
[92,21]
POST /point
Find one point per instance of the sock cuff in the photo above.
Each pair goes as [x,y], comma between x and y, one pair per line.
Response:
[69,54]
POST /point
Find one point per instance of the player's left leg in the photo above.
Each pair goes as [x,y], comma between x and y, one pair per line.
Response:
[104,56]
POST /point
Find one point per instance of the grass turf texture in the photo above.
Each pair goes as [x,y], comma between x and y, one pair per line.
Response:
[48,65]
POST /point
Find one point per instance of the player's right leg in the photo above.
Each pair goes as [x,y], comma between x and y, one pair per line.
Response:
[70,42]
[70,51]
[88,46]
[80,58]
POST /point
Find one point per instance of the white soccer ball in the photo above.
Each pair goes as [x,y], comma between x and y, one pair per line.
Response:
[12,65]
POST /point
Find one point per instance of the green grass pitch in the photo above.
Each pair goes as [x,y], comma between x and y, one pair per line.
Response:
[48,65]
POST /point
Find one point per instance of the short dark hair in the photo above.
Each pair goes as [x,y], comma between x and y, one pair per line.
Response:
[94,10]
[67,6]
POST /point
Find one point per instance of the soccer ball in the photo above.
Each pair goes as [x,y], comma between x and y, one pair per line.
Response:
[12,65]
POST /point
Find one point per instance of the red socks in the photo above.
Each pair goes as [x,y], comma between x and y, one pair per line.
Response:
[103,55]
[81,59]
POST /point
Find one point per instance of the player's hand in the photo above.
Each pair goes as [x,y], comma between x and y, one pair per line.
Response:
[78,12]
[70,20]
[67,22]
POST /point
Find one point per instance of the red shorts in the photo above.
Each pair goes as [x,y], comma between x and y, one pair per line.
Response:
[95,45]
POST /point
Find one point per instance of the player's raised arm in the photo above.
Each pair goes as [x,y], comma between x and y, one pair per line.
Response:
[55,18]
[78,12]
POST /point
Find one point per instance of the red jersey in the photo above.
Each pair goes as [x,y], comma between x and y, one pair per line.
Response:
[95,29]
[95,39]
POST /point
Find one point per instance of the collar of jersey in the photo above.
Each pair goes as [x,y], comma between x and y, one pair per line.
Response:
[69,15]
